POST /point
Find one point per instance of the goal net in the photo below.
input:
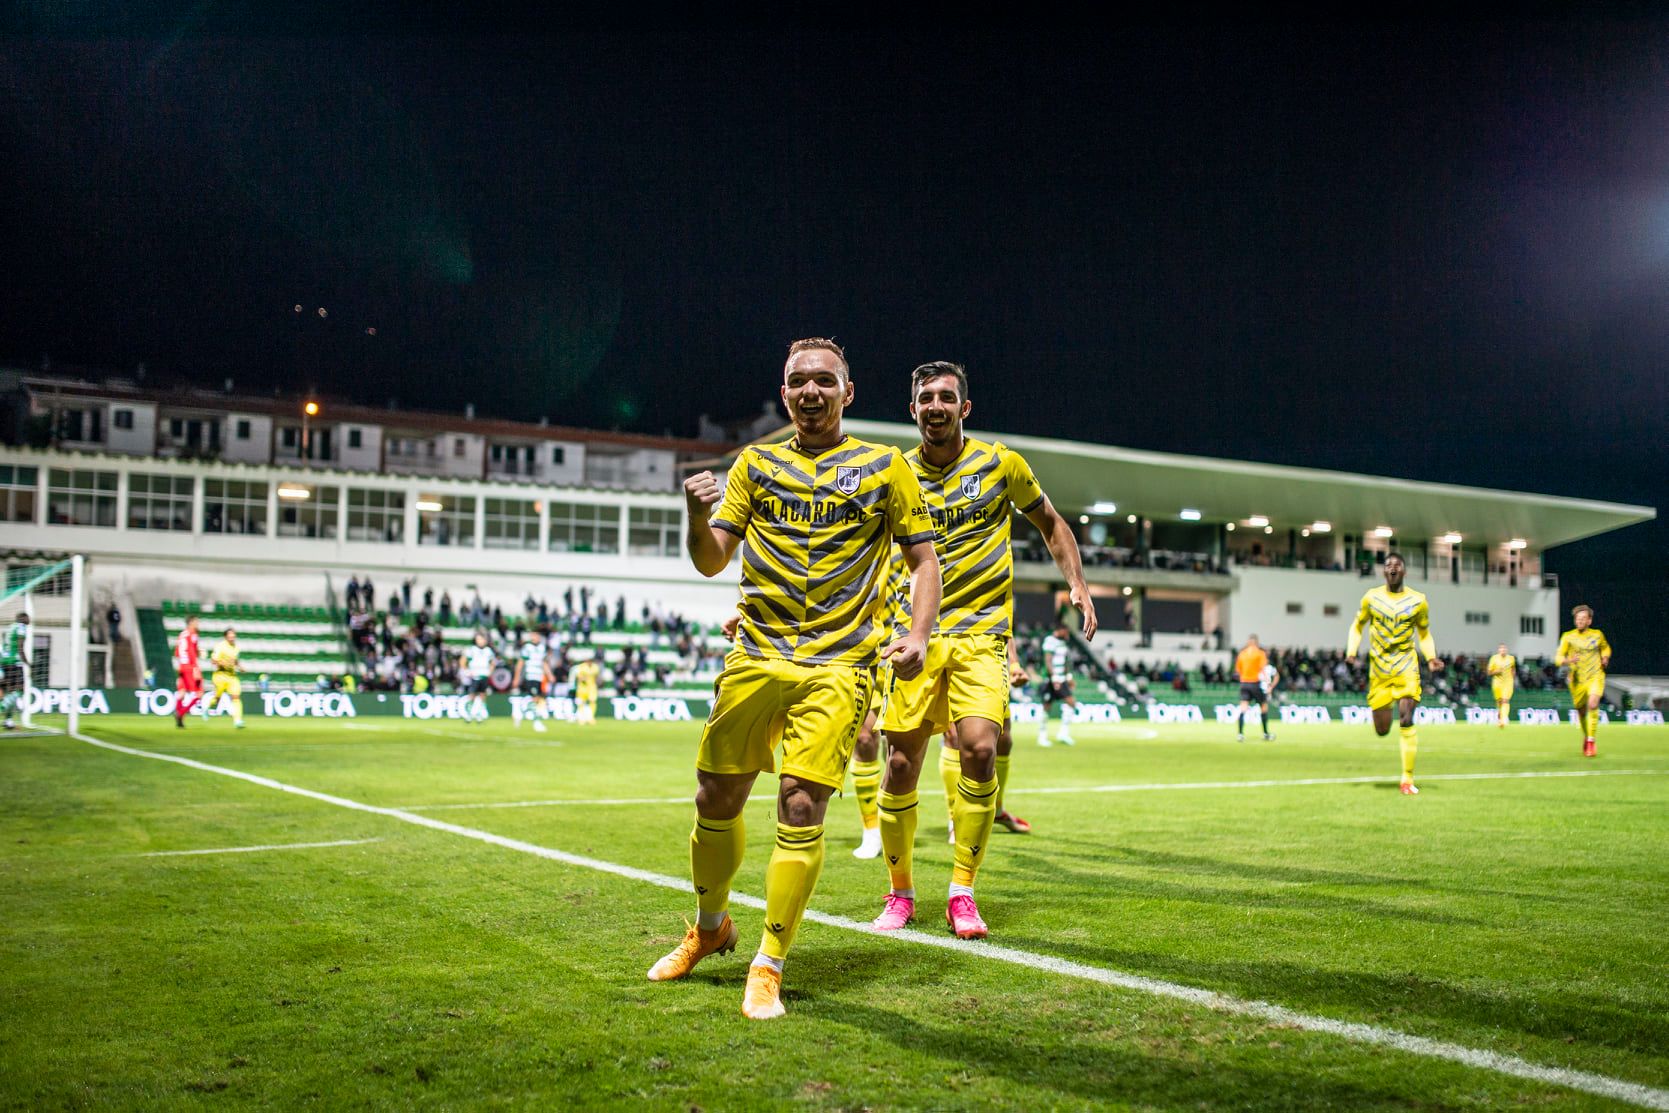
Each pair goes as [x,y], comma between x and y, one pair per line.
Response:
[43,639]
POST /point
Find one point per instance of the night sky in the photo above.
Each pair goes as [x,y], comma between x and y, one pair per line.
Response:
[1434,251]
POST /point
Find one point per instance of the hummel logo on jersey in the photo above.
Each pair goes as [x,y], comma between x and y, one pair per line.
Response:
[970,486]
[847,480]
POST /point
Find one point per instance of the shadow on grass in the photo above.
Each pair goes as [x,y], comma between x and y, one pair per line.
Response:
[1088,880]
[1383,997]
[1073,1062]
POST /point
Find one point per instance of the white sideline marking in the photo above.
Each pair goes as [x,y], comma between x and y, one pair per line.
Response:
[1602,1085]
[1061,790]
[254,849]
[1064,789]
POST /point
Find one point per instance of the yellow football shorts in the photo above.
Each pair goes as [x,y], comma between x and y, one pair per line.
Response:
[812,711]
[964,677]
[1584,690]
[1503,690]
[1384,688]
[878,690]
[227,684]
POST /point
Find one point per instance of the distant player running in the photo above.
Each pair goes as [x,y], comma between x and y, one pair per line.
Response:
[1249,666]
[226,683]
[1586,655]
[1397,620]
[532,679]
[972,488]
[14,660]
[816,518]
[476,677]
[1058,692]
[1503,671]
[188,688]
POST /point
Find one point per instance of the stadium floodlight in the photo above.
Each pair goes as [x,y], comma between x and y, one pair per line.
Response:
[1257,521]
[1190,515]
[431,506]
[1518,543]
[1131,518]
[1083,519]
[1321,527]
[1304,532]
[1384,531]
[1229,526]
[1269,529]
[295,492]
[1450,538]
[1102,506]
[311,409]
[1126,591]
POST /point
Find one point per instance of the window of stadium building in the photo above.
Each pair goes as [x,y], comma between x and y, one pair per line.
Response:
[234,506]
[578,527]
[17,493]
[308,511]
[511,524]
[378,516]
[653,531]
[159,502]
[452,524]
[80,498]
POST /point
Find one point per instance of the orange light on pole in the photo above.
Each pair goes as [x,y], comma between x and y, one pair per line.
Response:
[309,409]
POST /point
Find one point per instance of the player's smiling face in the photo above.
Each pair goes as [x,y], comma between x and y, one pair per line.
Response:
[816,391]
[939,408]
[1395,570]
[1583,620]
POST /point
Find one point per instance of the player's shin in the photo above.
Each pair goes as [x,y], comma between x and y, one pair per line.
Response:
[716,847]
[1002,779]
[790,880]
[1409,744]
[866,785]
[898,837]
[975,813]
[950,771]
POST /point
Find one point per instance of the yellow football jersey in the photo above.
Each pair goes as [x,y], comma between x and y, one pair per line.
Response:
[1582,650]
[1396,622]
[225,657]
[895,597]
[1502,667]
[816,529]
[971,501]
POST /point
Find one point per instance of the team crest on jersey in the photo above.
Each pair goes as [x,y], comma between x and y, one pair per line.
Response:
[847,480]
[970,486]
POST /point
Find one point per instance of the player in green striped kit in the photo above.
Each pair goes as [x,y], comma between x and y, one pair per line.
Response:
[14,658]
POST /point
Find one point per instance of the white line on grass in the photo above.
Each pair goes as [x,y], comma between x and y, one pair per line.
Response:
[256,849]
[1062,790]
[1585,1081]
[1067,789]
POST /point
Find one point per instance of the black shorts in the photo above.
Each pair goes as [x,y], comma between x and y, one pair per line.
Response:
[11,676]
[1058,691]
[479,686]
[533,688]
[1252,692]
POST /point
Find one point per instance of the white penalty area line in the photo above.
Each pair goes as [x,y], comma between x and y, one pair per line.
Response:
[1587,1082]
[255,849]
[1064,790]
[1060,790]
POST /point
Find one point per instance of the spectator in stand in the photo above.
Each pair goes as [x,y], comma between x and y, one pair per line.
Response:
[370,594]
[405,593]
[429,599]
[350,595]
[113,617]
[446,608]
[620,613]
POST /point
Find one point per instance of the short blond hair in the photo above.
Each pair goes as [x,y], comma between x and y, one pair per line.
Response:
[1579,608]
[813,344]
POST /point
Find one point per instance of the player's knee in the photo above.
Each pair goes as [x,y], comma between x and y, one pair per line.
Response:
[902,767]
[801,805]
[867,746]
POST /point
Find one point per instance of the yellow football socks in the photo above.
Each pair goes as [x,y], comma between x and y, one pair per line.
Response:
[898,835]
[866,782]
[237,711]
[1590,723]
[975,812]
[789,881]
[1410,743]
[950,771]
[716,847]
[1002,780]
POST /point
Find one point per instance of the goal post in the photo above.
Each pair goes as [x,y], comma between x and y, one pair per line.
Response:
[49,649]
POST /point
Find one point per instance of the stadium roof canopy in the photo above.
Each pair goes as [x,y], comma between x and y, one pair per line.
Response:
[1091,478]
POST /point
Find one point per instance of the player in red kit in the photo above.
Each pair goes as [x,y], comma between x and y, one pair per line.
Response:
[188,689]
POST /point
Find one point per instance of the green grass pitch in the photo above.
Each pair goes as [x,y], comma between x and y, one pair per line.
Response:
[1523,916]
